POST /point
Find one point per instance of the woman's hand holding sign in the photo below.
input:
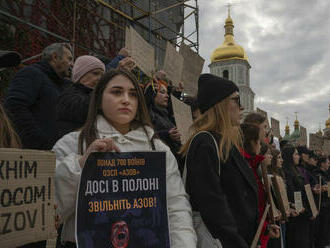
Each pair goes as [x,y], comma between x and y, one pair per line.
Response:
[99,145]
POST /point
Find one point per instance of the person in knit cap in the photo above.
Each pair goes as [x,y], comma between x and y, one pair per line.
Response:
[222,188]
[72,106]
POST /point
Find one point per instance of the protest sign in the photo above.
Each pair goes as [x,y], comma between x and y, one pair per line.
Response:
[183,118]
[173,64]
[26,196]
[272,209]
[192,68]
[122,201]
[275,127]
[281,195]
[303,136]
[298,201]
[263,113]
[128,45]
[311,201]
[261,224]
[141,51]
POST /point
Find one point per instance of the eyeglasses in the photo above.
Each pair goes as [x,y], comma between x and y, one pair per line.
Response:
[237,99]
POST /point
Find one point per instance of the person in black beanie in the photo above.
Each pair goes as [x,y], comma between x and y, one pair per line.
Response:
[226,195]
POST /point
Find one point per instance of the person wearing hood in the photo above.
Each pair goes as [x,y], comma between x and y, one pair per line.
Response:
[33,93]
[72,106]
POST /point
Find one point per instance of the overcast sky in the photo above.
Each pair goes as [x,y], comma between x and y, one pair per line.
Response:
[288,46]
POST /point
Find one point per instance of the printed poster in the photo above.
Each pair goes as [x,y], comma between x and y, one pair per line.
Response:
[122,201]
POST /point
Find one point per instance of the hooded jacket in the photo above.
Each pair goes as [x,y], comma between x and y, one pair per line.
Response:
[68,173]
[31,103]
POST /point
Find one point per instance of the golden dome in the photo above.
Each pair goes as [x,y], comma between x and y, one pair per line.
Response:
[229,48]
[327,123]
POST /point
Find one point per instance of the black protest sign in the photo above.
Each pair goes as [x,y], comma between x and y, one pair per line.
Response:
[26,196]
[122,201]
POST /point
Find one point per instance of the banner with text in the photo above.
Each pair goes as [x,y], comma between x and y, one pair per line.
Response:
[122,201]
[26,196]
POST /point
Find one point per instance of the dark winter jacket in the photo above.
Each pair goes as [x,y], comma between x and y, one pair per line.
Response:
[113,64]
[296,179]
[163,121]
[31,103]
[72,108]
[228,203]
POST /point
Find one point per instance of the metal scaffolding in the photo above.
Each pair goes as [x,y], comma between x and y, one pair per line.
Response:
[95,26]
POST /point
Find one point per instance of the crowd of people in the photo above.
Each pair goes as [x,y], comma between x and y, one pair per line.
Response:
[78,106]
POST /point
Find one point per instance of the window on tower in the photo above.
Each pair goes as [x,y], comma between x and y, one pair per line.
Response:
[225,74]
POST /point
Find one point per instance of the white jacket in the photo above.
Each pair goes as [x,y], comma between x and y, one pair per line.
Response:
[68,173]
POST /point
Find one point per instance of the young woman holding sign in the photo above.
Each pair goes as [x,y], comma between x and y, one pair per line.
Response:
[222,188]
[117,121]
[297,229]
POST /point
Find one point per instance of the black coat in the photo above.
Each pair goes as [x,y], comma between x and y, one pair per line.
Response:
[298,228]
[31,103]
[163,121]
[227,203]
[72,108]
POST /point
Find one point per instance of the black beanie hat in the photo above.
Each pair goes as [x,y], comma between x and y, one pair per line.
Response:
[213,89]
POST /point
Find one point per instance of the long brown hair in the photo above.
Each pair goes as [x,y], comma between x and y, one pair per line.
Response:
[88,132]
[217,119]
[250,134]
[8,136]
[273,169]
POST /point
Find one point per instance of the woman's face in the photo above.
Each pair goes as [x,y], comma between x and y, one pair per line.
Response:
[279,161]
[256,146]
[234,109]
[91,78]
[295,157]
[161,98]
[263,129]
[119,101]
[325,165]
